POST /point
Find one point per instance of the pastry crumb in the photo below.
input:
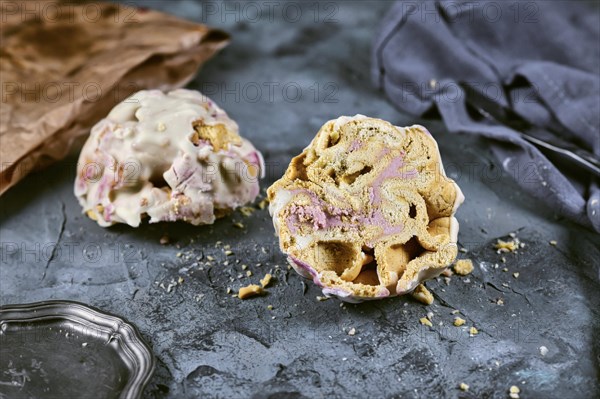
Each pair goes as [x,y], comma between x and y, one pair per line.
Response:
[458,321]
[473,331]
[553,242]
[270,307]
[516,275]
[246,211]
[322,298]
[447,272]
[239,225]
[249,273]
[352,331]
[463,267]
[463,387]
[514,391]
[543,350]
[266,280]
[263,203]
[422,294]
[228,252]
[425,321]
[164,240]
[506,246]
[250,291]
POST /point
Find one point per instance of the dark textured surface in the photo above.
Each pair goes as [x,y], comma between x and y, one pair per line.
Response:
[209,344]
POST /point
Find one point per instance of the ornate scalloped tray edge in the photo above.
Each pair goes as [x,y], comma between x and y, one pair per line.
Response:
[68,349]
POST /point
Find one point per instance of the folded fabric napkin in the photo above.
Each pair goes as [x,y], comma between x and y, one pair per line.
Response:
[539,59]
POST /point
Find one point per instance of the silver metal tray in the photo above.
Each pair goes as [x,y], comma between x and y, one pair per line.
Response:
[64,349]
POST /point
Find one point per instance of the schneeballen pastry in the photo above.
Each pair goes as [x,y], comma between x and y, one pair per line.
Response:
[366,210]
[168,156]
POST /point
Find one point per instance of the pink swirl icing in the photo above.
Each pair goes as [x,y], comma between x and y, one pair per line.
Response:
[323,215]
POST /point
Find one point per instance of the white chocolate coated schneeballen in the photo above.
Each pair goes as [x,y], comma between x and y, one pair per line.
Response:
[366,210]
[166,156]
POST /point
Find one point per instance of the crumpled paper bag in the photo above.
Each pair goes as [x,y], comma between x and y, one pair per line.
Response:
[64,65]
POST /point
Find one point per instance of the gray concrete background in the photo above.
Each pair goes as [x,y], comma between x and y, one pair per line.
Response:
[209,344]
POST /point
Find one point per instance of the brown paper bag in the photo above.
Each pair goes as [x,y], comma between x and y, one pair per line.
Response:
[64,65]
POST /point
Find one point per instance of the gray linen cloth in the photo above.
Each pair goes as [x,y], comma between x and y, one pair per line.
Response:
[539,58]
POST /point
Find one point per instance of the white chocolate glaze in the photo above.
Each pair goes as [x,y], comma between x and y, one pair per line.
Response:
[146,159]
